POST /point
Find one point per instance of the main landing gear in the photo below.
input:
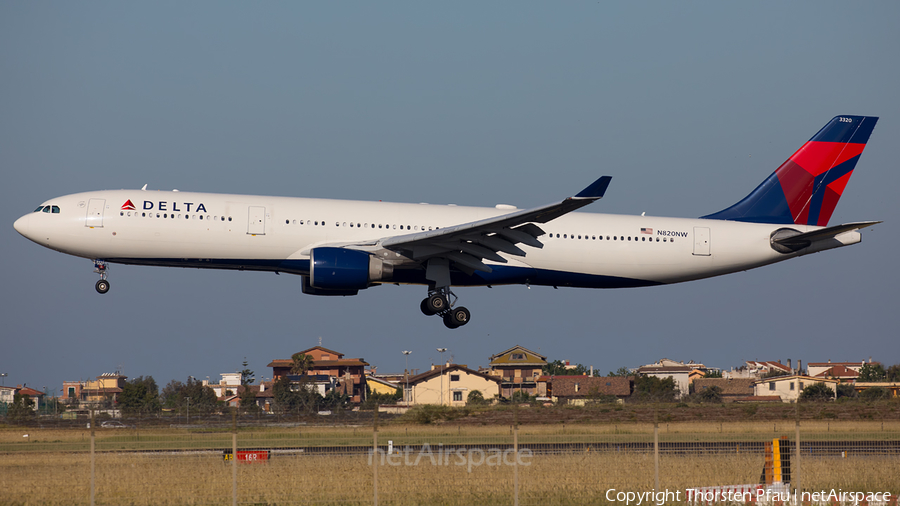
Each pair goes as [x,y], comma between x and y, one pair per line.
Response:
[100,268]
[438,303]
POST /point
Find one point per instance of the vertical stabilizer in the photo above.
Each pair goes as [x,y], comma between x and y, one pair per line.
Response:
[806,188]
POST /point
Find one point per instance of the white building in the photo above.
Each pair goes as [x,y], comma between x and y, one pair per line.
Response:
[789,387]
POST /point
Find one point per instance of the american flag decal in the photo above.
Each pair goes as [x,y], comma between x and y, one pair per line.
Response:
[647,231]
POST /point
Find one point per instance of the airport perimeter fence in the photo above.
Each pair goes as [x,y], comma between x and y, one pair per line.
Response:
[441,464]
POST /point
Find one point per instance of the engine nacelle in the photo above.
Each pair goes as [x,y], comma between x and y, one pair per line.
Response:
[342,271]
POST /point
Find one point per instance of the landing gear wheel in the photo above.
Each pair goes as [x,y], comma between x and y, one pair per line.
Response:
[457,317]
[436,303]
[425,309]
[102,286]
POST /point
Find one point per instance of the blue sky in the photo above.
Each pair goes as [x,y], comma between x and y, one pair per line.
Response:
[687,106]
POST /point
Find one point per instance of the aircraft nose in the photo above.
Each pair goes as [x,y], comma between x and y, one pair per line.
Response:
[21,225]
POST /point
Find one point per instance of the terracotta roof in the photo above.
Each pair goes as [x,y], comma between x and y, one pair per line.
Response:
[564,386]
[735,386]
[838,371]
[30,392]
[321,348]
[280,362]
[452,367]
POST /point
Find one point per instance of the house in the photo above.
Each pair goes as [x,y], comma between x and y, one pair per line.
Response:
[757,369]
[381,386]
[733,389]
[227,386]
[450,385]
[678,371]
[106,387]
[347,374]
[578,390]
[7,394]
[789,387]
[817,368]
[518,369]
[35,396]
[839,372]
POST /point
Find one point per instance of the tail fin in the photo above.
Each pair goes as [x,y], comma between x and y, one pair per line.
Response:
[806,188]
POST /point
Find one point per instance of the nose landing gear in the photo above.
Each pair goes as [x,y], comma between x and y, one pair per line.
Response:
[100,268]
[439,303]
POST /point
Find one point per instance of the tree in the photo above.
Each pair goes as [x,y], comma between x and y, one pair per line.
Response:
[247,376]
[301,363]
[21,410]
[139,395]
[817,392]
[558,368]
[893,373]
[335,399]
[651,388]
[248,400]
[520,396]
[712,394]
[475,398]
[846,390]
[621,372]
[292,397]
[872,373]
[875,394]
[202,398]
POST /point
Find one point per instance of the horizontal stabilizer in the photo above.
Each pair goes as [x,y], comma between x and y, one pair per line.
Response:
[798,241]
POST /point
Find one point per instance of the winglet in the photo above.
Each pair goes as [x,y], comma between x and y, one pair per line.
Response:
[595,190]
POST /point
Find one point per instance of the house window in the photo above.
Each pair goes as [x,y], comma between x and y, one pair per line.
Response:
[518,356]
[457,396]
[454,377]
[772,386]
[792,385]
[577,387]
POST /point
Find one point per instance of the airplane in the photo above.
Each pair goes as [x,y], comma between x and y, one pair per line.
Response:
[339,247]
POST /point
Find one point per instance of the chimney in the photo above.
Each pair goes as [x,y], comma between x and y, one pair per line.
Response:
[789,365]
[592,371]
[829,360]
[262,386]
[799,366]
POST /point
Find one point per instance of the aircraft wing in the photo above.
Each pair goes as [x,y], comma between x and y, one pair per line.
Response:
[466,245]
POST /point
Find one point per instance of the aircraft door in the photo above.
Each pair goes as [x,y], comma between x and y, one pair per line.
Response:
[256,224]
[701,241]
[94,216]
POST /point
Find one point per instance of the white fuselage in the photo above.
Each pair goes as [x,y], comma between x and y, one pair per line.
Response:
[277,233]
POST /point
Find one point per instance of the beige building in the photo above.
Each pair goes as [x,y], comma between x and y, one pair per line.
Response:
[450,385]
[518,369]
[789,387]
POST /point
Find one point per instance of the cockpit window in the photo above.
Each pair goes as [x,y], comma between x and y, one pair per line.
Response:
[54,209]
[39,209]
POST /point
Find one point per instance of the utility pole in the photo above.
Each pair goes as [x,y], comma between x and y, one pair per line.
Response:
[406,373]
[441,351]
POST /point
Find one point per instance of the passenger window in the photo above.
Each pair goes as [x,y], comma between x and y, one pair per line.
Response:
[229,218]
[615,238]
[201,217]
